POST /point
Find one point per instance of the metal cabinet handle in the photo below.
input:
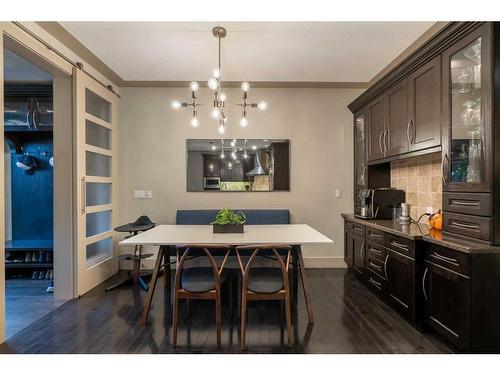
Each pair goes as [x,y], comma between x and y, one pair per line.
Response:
[387,139]
[378,285]
[399,245]
[362,251]
[376,266]
[376,235]
[463,225]
[408,133]
[423,283]
[445,258]
[444,168]
[35,122]
[385,267]
[84,193]
[463,203]
[375,250]
[380,142]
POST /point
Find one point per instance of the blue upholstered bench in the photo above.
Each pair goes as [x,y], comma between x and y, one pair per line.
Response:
[254,217]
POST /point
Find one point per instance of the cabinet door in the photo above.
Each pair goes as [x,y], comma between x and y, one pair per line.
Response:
[400,275]
[360,170]
[467,126]
[358,253]
[376,129]
[394,140]
[424,106]
[447,298]
[348,247]
[211,165]
[42,112]
[17,111]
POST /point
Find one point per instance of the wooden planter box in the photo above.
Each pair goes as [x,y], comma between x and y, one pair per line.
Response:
[228,228]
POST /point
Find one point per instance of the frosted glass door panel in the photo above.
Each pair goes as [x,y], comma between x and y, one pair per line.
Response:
[98,165]
[98,194]
[98,222]
[99,251]
[97,106]
[96,135]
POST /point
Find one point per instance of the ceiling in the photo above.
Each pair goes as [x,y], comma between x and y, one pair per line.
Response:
[252,51]
[17,69]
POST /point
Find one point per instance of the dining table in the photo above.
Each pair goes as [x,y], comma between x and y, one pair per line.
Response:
[167,237]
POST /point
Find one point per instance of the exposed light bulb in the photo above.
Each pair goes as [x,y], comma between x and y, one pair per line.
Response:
[222,156]
[243,122]
[216,113]
[254,147]
[213,147]
[245,155]
[233,155]
[216,73]
[229,165]
[213,84]
[233,142]
[245,86]
[262,106]
[176,104]
[195,122]
[194,86]
[221,129]
[222,97]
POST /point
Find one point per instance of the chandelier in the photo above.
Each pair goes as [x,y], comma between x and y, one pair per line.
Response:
[214,83]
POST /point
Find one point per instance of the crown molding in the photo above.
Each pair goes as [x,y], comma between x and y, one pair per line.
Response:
[256,84]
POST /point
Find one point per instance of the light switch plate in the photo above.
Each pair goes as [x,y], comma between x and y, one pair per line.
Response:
[149,194]
[338,193]
[139,194]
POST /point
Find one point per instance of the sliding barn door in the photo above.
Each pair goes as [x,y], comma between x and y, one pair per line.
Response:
[97,177]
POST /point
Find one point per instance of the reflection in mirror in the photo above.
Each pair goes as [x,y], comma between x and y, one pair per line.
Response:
[238,165]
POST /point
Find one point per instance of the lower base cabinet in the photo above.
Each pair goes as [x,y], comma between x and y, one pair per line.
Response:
[358,254]
[400,271]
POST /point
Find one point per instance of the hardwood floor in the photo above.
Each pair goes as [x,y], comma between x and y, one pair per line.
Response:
[348,319]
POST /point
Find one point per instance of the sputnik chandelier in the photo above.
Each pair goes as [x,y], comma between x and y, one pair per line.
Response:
[219,104]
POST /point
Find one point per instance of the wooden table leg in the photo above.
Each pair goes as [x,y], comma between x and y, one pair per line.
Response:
[305,286]
[295,271]
[152,285]
[166,270]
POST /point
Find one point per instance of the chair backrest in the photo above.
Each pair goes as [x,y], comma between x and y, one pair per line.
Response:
[254,216]
[279,252]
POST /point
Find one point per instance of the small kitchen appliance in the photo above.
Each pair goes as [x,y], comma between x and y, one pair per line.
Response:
[405,213]
[378,203]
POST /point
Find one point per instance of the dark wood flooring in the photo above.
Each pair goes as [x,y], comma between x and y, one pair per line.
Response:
[349,319]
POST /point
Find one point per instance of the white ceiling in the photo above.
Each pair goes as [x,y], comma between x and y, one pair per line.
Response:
[253,51]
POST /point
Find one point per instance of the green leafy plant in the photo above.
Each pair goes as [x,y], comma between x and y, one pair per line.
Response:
[228,216]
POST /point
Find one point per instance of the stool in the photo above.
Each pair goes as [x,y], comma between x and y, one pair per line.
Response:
[142,224]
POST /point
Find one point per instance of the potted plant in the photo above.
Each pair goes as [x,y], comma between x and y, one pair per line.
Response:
[228,221]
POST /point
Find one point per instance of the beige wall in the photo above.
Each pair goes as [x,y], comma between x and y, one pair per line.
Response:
[317,121]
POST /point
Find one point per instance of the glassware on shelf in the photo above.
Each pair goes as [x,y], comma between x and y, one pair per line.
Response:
[471,115]
[473,53]
[475,155]
[477,76]
[465,79]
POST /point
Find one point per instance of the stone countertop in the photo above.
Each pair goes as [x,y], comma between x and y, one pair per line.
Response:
[422,232]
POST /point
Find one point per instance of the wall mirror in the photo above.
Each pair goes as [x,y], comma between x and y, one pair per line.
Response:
[240,165]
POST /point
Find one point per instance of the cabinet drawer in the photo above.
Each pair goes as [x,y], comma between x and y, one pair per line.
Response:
[375,282]
[400,244]
[468,225]
[358,229]
[375,235]
[448,258]
[480,204]
[375,250]
[376,265]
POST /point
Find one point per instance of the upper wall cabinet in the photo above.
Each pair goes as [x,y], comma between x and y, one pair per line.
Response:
[424,106]
[467,125]
[376,129]
[360,175]
[396,119]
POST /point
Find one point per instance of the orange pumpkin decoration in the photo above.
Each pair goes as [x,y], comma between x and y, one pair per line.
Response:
[437,234]
[436,220]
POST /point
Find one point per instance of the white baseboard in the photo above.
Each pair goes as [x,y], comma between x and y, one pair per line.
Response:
[308,262]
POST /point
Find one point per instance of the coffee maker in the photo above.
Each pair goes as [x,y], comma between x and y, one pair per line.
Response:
[378,203]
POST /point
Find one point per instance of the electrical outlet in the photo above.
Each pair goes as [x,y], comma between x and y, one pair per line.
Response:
[139,194]
[338,193]
[430,210]
[149,194]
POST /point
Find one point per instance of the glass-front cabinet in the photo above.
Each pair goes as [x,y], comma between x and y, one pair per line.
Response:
[467,131]
[360,168]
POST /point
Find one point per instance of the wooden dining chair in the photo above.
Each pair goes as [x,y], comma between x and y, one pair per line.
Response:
[197,282]
[264,283]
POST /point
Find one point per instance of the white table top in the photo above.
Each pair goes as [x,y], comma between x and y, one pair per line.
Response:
[291,234]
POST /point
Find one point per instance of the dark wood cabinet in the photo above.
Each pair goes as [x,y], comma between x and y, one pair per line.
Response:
[400,276]
[447,298]
[211,165]
[360,168]
[358,253]
[376,129]
[394,140]
[424,106]
[348,245]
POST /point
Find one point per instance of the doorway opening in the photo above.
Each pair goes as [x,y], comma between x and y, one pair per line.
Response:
[36,252]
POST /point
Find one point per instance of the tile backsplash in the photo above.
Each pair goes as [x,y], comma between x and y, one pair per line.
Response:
[420,177]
